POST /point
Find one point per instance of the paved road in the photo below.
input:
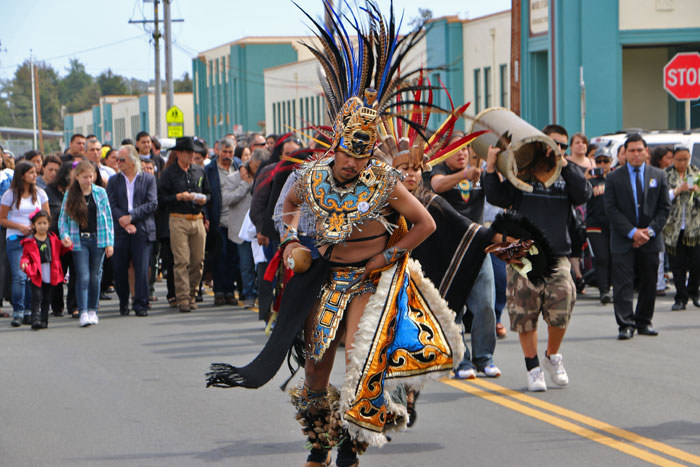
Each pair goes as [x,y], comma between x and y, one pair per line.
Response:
[130,392]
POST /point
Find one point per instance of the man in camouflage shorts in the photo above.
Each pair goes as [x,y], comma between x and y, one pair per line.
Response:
[555,299]
[549,208]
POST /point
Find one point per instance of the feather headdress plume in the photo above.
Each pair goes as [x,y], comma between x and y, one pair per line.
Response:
[361,79]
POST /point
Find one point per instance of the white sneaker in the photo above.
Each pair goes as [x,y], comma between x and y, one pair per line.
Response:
[492,371]
[465,373]
[555,367]
[535,380]
[85,320]
[92,316]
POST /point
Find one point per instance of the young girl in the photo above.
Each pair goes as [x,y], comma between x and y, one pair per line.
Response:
[22,199]
[41,262]
[85,224]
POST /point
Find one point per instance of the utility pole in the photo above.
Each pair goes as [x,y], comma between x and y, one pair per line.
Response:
[156,40]
[31,71]
[168,56]
[38,111]
[169,98]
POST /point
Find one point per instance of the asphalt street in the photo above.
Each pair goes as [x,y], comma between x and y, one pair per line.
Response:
[130,392]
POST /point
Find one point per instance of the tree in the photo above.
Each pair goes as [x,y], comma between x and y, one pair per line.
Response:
[78,90]
[184,84]
[424,15]
[18,97]
[110,84]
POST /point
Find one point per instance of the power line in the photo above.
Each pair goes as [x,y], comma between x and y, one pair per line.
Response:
[78,52]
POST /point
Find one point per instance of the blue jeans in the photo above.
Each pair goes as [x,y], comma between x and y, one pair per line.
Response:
[88,267]
[245,261]
[21,292]
[226,267]
[499,274]
[483,335]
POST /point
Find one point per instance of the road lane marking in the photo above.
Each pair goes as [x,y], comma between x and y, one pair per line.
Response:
[606,427]
[560,423]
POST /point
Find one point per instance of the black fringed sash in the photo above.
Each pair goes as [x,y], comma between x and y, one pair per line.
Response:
[299,296]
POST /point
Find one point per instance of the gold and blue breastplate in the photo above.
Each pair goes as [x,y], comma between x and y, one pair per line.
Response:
[338,210]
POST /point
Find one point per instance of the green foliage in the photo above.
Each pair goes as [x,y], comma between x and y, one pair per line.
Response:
[110,84]
[184,84]
[16,101]
[78,90]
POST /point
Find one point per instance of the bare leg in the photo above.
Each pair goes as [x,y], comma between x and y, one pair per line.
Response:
[556,336]
[528,341]
[352,319]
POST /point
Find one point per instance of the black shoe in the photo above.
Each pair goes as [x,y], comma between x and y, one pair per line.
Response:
[696,301]
[141,313]
[625,334]
[27,319]
[104,296]
[678,306]
[124,311]
[16,323]
[57,314]
[199,299]
[605,298]
[580,284]
[36,325]
[647,331]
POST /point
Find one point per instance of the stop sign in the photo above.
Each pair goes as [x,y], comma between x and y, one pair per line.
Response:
[682,76]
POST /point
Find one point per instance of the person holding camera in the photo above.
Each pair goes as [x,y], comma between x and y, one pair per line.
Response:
[598,226]
[237,195]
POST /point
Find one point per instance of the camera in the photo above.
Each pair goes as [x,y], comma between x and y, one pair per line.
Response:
[597,172]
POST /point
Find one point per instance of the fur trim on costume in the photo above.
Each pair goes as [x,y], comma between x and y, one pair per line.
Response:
[360,347]
[397,415]
[446,318]
[521,227]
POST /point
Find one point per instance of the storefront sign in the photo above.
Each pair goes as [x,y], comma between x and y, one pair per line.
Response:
[539,17]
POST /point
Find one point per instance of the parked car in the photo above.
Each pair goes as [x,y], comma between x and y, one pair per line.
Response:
[689,139]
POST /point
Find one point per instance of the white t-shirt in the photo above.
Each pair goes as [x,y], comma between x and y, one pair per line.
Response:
[106,172]
[26,207]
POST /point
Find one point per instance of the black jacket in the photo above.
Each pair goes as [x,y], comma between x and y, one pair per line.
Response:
[143,208]
[620,207]
[549,208]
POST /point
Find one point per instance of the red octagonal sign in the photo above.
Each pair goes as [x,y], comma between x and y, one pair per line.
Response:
[682,76]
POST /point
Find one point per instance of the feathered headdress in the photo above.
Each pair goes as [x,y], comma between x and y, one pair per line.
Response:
[361,81]
[402,144]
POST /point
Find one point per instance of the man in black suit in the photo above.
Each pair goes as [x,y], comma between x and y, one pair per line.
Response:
[133,197]
[637,204]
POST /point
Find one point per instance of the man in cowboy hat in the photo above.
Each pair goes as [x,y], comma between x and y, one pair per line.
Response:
[184,191]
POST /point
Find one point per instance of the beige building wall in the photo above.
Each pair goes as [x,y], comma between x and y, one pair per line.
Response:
[122,113]
[487,45]
[659,14]
[183,100]
[82,122]
[644,100]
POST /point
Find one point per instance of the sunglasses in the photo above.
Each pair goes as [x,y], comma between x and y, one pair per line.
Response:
[257,145]
[603,160]
[121,159]
[563,146]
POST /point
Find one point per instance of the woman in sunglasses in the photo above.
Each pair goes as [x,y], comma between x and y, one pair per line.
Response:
[598,226]
[682,230]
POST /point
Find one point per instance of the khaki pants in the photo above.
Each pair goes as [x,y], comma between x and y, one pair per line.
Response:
[187,242]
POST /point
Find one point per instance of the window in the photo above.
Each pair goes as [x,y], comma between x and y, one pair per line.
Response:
[504,86]
[477,88]
[134,126]
[119,130]
[488,102]
[90,129]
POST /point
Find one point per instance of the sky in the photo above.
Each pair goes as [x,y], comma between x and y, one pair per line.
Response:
[98,33]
